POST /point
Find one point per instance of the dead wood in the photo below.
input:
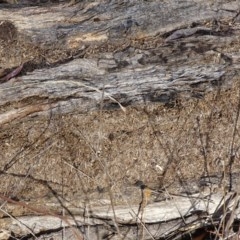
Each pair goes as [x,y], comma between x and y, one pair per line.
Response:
[115,55]
[131,55]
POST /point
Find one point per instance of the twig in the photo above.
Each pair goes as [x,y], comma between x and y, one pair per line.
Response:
[42,211]
[143,225]
[19,222]
[103,94]
[81,172]
[12,74]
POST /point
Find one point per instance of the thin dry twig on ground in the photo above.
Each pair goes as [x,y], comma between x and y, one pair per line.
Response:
[103,94]
[232,149]
[97,151]
[134,215]
[43,211]
[12,74]
[18,222]
[78,170]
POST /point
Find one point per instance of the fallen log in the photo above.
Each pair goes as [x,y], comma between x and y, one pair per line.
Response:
[120,56]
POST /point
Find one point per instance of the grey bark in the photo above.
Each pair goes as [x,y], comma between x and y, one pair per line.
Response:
[174,58]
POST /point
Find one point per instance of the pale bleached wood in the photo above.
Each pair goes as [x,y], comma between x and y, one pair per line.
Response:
[167,214]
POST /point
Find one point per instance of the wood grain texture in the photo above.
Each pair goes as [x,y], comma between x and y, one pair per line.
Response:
[125,53]
[169,215]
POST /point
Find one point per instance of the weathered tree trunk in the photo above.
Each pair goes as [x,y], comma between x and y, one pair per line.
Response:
[113,55]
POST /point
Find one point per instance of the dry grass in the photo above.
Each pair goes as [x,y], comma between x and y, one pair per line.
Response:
[82,158]
[155,144]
